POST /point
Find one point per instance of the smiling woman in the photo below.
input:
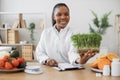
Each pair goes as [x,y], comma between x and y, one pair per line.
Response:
[49,50]
[55,45]
[79,11]
[60,16]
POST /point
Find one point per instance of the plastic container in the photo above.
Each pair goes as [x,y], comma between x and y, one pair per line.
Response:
[115,67]
[106,70]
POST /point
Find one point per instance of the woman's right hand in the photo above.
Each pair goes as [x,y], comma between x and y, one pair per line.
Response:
[51,62]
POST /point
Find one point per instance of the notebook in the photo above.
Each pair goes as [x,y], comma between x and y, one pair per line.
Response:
[68,66]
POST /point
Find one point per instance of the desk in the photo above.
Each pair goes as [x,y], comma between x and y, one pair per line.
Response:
[51,74]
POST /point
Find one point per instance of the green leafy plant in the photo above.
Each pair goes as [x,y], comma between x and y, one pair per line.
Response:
[83,42]
[86,40]
[100,24]
[31,29]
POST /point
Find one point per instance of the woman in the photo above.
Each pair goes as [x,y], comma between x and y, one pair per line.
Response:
[55,45]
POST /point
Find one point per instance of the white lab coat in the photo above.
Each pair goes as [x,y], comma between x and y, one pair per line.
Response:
[56,45]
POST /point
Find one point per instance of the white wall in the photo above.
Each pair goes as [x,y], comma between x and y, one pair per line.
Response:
[80,13]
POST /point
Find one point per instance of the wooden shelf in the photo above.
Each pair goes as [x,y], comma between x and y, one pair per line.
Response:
[19,29]
[4,44]
[38,18]
[42,13]
[12,28]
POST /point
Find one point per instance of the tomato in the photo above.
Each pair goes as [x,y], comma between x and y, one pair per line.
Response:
[21,60]
[15,63]
[5,58]
[2,63]
[8,65]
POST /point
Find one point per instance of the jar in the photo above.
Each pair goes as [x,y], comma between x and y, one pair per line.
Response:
[106,70]
[115,67]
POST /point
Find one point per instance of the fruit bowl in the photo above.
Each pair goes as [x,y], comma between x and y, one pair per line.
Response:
[96,70]
[102,60]
[12,70]
[10,64]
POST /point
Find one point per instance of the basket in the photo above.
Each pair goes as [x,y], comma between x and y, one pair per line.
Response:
[27,52]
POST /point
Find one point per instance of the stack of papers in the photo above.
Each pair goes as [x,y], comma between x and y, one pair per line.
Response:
[68,66]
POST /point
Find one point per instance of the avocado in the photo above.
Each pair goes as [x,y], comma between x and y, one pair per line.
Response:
[14,53]
[22,65]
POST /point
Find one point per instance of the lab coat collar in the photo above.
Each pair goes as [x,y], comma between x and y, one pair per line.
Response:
[62,30]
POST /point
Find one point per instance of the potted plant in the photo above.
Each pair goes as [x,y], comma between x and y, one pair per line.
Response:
[84,42]
[92,40]
[31,29]
[100,25]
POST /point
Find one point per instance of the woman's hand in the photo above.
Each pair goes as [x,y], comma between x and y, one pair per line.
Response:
[51,62]
[84,58]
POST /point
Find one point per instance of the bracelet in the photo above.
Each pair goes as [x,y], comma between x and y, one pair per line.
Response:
[45,61]
[76,61]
